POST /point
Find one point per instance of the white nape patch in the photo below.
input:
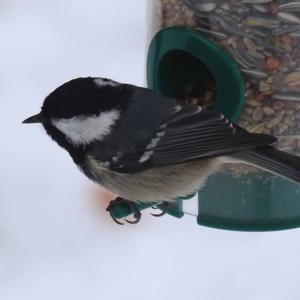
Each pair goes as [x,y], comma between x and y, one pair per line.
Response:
[145,156]
[81,130]
[199,108]
[101,82]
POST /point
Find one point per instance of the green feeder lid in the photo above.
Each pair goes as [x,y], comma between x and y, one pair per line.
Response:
[179,56]
[254,202]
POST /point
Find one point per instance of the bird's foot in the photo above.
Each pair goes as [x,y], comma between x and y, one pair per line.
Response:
[164,207]
[130,205]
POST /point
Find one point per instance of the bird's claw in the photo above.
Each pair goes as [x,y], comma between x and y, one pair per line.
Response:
[136,213]
[164,209]
[158,215]
[137,217]
[132,207]
[117,221]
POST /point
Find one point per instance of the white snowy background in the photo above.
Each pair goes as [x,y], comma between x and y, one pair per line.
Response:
[56,240]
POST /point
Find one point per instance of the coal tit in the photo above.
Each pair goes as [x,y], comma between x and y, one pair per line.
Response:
[145,147]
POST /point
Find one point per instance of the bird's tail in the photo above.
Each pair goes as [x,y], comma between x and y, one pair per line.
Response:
[272,160]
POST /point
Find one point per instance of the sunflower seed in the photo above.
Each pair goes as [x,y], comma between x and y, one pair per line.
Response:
[205,7]
[252,103]
[273,122]
[268,111]
[257,114]
[244,61]
[261,8]
[289,18]
[254,73]
[256,1]
[233,29]
[255,54]
[295,34]
[212,33]
[264,87]
[258,32]
[289,121]
[291,78]
[294,6]
[261,22]
[249,44]
[257,128]
[285,29]
[286,96]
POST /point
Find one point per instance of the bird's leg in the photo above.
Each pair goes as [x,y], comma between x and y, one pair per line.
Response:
[131,206]
[164,207]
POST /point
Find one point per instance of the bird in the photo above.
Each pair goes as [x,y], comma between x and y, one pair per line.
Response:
[145,147]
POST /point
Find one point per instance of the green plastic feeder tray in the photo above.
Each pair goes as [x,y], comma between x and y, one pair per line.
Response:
[256,202]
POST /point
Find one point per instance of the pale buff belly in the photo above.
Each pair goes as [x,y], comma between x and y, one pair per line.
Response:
[157,184]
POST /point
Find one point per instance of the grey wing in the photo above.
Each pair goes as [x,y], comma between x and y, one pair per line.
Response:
[194,134]
[157,131]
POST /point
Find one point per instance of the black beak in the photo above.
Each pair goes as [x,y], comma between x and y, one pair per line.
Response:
[35,119]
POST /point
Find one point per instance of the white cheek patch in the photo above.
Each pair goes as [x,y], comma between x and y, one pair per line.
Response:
[82,130]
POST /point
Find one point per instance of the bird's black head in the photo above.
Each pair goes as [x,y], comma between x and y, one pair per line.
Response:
[84,96]
[82,110]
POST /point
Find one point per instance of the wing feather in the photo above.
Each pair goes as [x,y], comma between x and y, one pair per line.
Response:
[156,131]
[203,134]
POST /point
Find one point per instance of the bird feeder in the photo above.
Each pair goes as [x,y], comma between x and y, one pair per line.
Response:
[240,58]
